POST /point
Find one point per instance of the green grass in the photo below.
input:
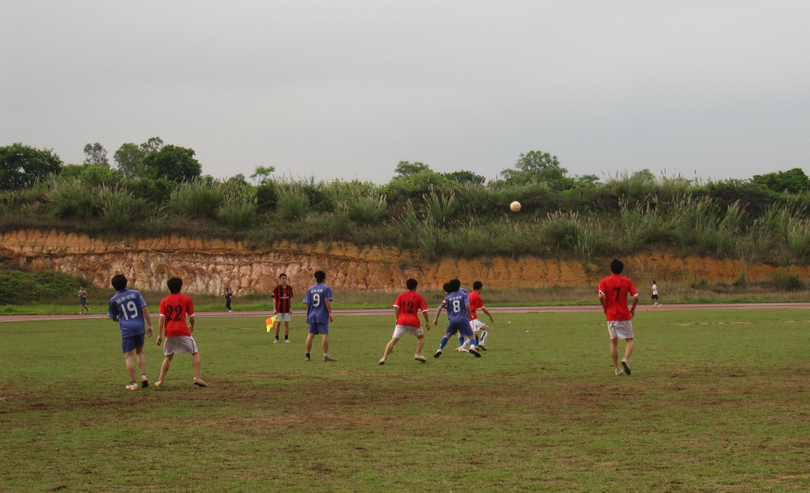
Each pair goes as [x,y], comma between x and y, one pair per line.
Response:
[717,402]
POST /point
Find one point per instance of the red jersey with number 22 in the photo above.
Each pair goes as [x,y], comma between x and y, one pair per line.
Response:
[174,309]
[616,288]
[410,304]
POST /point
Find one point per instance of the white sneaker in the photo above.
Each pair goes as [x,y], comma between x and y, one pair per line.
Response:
[421,358]
[381,362]
[132,386]
[230,311]
[626,366]
[619,372]
[462,350]
[287,341]
[275,341]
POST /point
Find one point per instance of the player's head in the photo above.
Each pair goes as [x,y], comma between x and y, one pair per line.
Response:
[455,285]
[477,285]
[227,290]
[653,281]
[119,282]
[175,283]
[411,284]
[320,276]
[282,277]
[617,266]
[446,287]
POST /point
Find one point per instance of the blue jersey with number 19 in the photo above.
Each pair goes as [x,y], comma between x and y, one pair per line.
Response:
[126,305]
[456,304]
[316,303]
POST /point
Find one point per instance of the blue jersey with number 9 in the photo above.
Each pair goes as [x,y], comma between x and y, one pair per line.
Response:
[316,297]
[126,305]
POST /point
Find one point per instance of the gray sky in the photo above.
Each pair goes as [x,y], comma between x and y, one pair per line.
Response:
[346,89]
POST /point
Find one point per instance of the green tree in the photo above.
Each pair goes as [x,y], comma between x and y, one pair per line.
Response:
[793,181]
[172,163]
[404,168]
[21,165]
[96,154]
[263,173]
[128,157]
[538,166]
[464,176]
[151,146]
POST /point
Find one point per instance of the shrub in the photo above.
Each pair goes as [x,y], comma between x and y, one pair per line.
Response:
[70,198]
[367,209]
[788,282]
[119,208]
[197,199]
[238,212]
[292,205]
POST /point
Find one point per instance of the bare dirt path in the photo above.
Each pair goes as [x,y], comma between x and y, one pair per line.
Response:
[497,309]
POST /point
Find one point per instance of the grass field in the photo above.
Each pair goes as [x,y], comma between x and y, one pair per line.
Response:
[718,401]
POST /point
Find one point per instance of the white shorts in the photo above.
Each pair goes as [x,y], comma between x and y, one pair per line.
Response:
[401,331]
[282,317]
[179,344]
[476,324]
[623,329]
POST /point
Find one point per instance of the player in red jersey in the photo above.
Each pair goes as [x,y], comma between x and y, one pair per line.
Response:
[282,295]
[173,311]
[477,325]
[406,309]
[613,291]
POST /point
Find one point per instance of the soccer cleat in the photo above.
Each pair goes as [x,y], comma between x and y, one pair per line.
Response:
[421,358]
[230,311]
[144,381]
[275,341]
[132,386]
[482,346]
[438,353]
[618,372]
[287,341]
[475,352]
[381,362]
[462,349]
[158,384]
[626,366]
[328,358]
[307,358]
[199,382]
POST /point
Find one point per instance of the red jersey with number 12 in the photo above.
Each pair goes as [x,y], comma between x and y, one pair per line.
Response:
[174,309]
[615,288]
[410,304]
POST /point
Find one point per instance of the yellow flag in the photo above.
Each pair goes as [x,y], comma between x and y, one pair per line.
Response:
[270,323]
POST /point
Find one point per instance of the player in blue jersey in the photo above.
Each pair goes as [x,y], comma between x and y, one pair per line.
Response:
[457,303]
[128,308]
[319,313]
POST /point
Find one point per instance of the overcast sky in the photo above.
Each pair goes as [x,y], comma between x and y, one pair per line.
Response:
[347,89]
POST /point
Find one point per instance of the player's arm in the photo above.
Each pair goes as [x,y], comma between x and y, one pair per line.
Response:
[148,319]
[602,299]
[436,318]
[191,324]
[396,312]
[633,308]
[484,309]
[427,319]
[161,324]
[328,304]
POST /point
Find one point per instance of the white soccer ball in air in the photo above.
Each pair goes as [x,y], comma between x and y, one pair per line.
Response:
[515,206]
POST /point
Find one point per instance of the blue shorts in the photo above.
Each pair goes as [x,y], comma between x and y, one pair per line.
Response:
[319,328]
[130,343]
[83,301]
[463,328]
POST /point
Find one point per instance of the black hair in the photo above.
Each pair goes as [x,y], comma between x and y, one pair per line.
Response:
[616,266]
[411,284]
[320,276]
[282,275]
[446,287]
[455,285]
[228,289]
[653,281]
[175,283]
[119,282]
[477,285]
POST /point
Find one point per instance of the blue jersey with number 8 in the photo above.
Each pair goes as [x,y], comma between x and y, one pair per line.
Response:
[316,297]
[126,305]
[456,306]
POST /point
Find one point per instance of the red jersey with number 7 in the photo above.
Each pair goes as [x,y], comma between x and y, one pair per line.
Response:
[616,288]
[410,304]
[174,309]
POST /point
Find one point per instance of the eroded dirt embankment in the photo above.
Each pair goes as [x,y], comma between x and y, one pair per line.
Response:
[208,266]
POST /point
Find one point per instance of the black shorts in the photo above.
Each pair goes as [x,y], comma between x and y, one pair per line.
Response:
[655,297]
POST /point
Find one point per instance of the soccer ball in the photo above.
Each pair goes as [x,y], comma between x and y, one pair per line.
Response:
[515,206]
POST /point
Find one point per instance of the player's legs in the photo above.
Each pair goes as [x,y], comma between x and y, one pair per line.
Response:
[164,368]
[614,352]
[277,326]
[195,364]
[141,360]
[420,343]
[389,347]
[628,349]
[325,343]
[286,329]
[130,362]
[310,336]
[484,332]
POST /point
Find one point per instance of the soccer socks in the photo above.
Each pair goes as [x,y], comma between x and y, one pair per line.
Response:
[484,335]
[473,342]
[444,342]
[461,341]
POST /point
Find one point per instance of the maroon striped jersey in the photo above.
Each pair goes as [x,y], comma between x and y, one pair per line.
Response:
[283,296]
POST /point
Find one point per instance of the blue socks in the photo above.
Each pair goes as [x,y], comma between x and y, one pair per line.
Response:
[460,340]
[444,342]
